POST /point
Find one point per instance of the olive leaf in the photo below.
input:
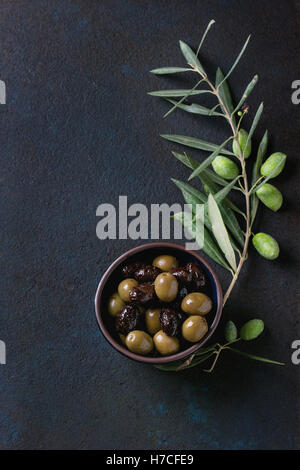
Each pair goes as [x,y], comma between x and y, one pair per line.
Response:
[247,92]
[256,358]
[209,176]
[170,70]
[182,99]
[194,143]
[209,246]
[195,108]
[220,232]
[224,91]
[235,62]
[220,195]
[254,123]
[252,329]
[173,367]
[193,196]
[200,198]
[204,35]
[190,57]
[230,331]
[226,207]
[262,150]
[208,160]
[228,216]
[176,93]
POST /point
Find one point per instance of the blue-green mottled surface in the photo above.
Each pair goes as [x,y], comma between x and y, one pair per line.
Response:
[78,130]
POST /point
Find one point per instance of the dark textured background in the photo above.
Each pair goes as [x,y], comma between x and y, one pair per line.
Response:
[78,130]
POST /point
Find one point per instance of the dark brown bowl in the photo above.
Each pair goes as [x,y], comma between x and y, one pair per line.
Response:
[148,252]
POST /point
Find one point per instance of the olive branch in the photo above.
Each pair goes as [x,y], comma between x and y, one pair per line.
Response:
[230,247]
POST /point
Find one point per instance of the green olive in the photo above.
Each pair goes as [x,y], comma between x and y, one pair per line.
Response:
[277,158]
[266,245]
[252,329]
[122,338]
[166,287]
[270,196]
[225,167]
[152,320]
[242,137]
[165,344]
[115,304]
[194,328]
[165,262]
[196,303]
[139,342]
[125,287]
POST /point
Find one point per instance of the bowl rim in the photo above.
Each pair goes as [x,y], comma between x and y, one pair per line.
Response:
[164,359]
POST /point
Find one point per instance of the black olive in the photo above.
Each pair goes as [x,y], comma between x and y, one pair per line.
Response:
[129,269]
[128,319]
[182,275]
[169,322]
[198,275]
[146,273]
[142,293]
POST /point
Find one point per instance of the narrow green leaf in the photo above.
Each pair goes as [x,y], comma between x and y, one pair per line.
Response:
[204,35]
[208,160]
[214,178]
[209,247]
[236,61]
[247,92]
[170,70]
[182,99]
[190,57]
[190,224]
[255,122]
[174,365]
[279,164]
[232,224]
[198,360]
[202,351]
[229,218]
[224,92]
[220,232]
[262,150]
[261,153]
[194,143]
[193,196]
[220,195]
[256,358]
[176,93]
[194,108]
[212,110]
[209,175]
[230,331]
[200,198]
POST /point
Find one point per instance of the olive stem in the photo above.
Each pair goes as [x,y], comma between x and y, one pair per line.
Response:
[217,353]
[241,157]
[256,183]
[185,363]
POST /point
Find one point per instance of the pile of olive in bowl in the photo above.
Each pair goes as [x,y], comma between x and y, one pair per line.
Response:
[159,304]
